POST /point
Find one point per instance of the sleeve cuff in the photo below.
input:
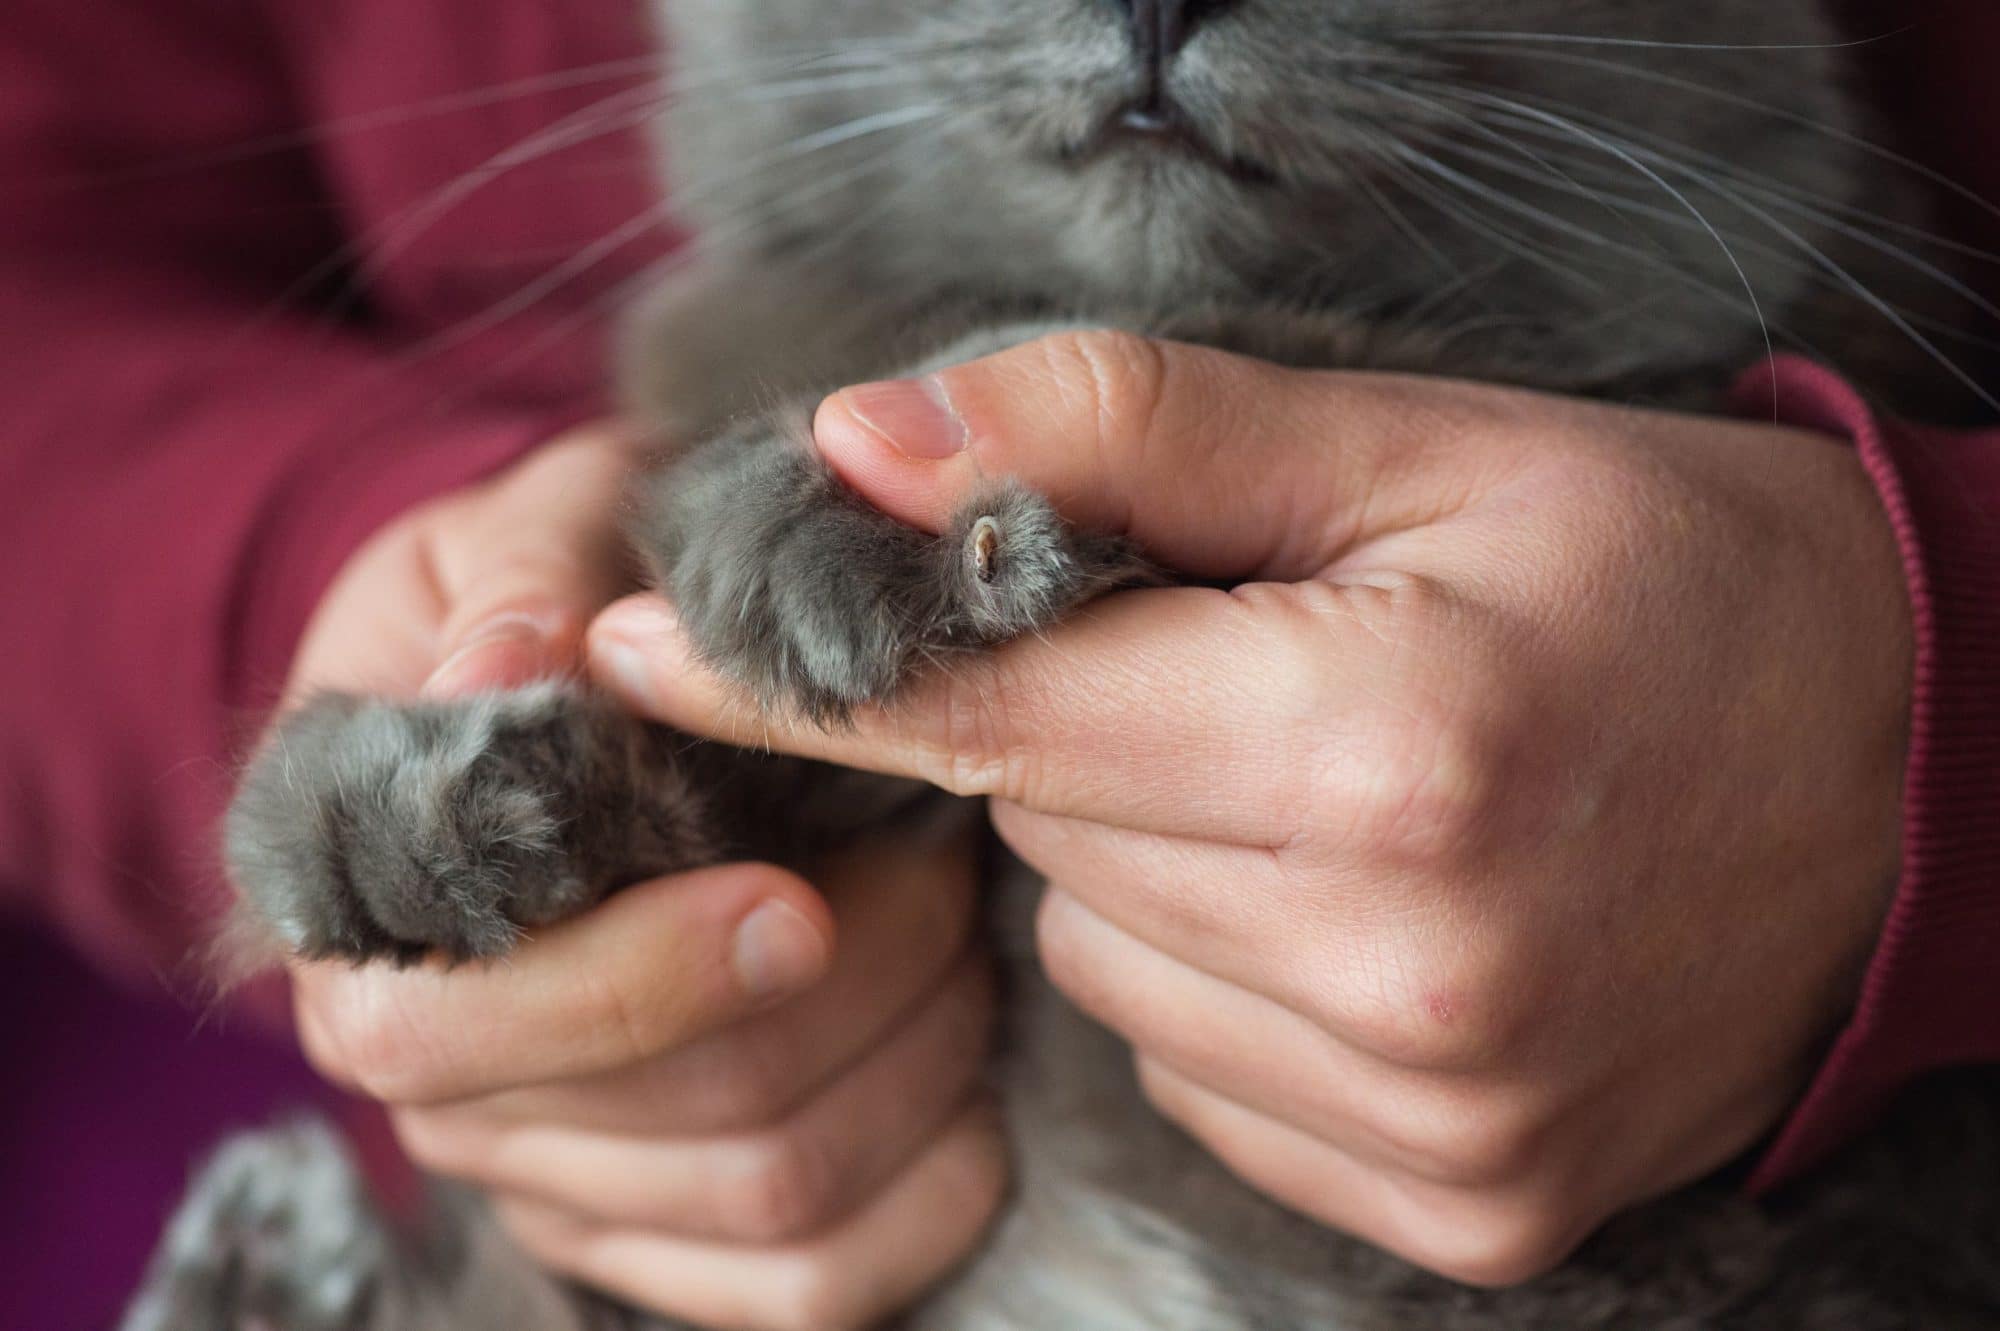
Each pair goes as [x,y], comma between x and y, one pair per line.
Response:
[1931,995]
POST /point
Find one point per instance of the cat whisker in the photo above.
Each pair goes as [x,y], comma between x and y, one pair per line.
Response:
[545,285]
[366,122]
[1518,207]
[1637,155]
[1679,196]
[1657,263]
[785,89]
[1640,43]
[1790,261]
[590,256]
[616,113]
[1550,173]
[705,242]
[1806,202]
[860,127]
[1400,222]
[1742,103]
[1456,207]
[372,252]
[1820,217]
[460,101]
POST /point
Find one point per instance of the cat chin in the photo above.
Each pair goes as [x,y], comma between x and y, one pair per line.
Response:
[1152,144]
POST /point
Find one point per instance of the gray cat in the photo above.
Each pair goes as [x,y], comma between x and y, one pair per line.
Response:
[888,185]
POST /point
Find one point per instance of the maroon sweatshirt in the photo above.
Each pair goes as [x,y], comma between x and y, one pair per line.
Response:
[195,439]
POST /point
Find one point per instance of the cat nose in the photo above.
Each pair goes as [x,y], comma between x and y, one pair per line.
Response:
[1161,27]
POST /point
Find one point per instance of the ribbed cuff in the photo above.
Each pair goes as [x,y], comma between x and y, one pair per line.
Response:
[1931,997]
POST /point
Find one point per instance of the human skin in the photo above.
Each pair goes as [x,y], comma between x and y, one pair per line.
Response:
[1499,852]
[729,1095]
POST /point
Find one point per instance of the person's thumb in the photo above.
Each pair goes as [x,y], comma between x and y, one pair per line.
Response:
[529,564]
[1218,465]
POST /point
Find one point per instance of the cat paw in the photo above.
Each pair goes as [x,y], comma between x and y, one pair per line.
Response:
[851,605]
[277,1232]
[789,583]
[369,829]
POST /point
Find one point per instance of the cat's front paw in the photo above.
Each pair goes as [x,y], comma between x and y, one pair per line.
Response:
[791,584]
[368,829]
[277,1231]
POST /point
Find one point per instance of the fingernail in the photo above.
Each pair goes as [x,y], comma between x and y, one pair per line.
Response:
[637,619]
[777,952]
[626,666]
[914,416]
[459,670]
[624,644]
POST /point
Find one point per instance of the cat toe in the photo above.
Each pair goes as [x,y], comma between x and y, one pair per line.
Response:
[1015,566]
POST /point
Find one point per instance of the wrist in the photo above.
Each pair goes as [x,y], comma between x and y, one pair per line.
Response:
[1929,990]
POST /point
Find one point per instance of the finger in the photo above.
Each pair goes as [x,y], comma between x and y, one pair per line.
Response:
[1239,913]
[553,558]
[1492,1237]
[1352,687]
[902,908]
[775,1184]
[1218,465]
[1397,965]
[1428,1125]
[649,969]
[875,1262]
[532,638]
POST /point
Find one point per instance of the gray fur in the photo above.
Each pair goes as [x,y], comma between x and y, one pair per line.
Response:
[790,583]
[893,185]
[372,829]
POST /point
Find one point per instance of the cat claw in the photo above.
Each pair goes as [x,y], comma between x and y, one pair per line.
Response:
[983,548]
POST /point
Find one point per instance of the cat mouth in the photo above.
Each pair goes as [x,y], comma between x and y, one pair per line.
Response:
[1161,127]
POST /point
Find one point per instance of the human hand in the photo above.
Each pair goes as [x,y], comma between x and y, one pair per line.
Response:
[688,1096]
[1499,853]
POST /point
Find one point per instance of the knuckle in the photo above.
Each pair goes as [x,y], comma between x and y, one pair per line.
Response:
[1447,1009]
[787,1188]
[1480,1141]
[1122,375]
[1494,1247]
[973,753]
[1077,968]
[1162,1092]
[809,1295]
[1408,768]
[554,1237]
[1059,947]
[752,1087]
[645,1025]
[430,1144]
[1281,628]
[1285,628]
[1421,788]
[373,1044]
